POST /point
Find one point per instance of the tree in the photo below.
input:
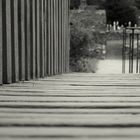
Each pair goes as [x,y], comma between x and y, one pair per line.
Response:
[99,3]
[137,2]
[121,10]
[95,2]
[74,4]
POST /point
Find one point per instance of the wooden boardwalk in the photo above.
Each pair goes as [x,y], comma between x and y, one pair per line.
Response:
[72,107]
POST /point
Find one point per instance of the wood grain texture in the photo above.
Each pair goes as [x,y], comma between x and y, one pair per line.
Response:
[73,106]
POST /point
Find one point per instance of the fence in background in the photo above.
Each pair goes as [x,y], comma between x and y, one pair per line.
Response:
[34,39]
[131,50]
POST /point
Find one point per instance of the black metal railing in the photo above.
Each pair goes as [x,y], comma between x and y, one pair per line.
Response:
[131,50]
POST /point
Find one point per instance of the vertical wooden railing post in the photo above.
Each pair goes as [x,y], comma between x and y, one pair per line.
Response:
[49,37]
[42,37]
[1,81]
[15,45]
[21,38]
[63,45]
[54,36]
[60,37]
[7,56]
[45,37]
[57,41]
[68,34]
[38,37]
[33,40]
[28,40]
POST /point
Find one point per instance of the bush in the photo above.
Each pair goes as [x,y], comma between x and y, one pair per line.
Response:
[85,35]
[84,65]
[79,41]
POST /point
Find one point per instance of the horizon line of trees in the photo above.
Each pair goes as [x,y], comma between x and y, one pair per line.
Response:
[116,10]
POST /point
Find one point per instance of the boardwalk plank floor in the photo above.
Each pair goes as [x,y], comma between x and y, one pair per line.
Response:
[76,106]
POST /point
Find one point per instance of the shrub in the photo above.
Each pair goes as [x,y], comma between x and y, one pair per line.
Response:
[85,35]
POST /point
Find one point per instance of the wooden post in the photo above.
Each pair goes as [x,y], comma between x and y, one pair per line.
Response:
[67,36]
[49,38]
[60,37]
[52,37]
[7,56]
[15,45]
[21,34]
[38,38]
[45,37]
[63,36]
[27,40]
[1,42]
[57,41]
[33,41]
[42,37]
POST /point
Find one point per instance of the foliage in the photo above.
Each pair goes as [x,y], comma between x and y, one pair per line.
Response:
[137,3]
[74,4]
[84,65]
[100,3]
[79,42]
[121,10]
[85,27]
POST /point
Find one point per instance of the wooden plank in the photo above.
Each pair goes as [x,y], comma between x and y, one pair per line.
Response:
[70,106]
[70,99]
[33,40]
[7,56]
[21,38]
[73,133]
[15,44]
[40,111]
[88,121]
[1,65]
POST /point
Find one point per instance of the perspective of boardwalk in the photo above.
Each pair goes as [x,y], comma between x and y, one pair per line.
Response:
[76,106]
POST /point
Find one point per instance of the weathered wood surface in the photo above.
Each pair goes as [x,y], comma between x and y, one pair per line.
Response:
[33,42]
[72,107]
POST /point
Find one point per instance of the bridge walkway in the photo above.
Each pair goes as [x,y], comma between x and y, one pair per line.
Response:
[76,106]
